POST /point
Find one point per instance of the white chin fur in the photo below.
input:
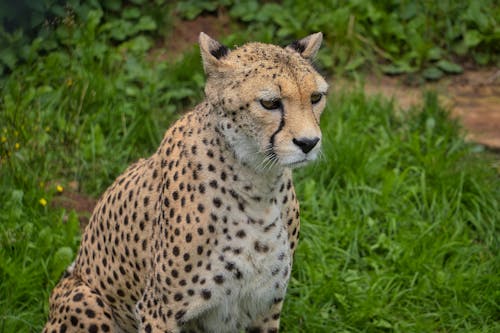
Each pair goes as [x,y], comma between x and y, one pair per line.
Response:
[297,158]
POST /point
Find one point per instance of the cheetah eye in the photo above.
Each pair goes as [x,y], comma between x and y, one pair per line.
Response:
[316,97]
[272,104]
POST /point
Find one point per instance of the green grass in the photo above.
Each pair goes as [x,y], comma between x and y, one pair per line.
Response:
[399,226]
[399,218]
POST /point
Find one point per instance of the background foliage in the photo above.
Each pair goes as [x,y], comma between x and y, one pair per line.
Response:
[426,39]
[400,218]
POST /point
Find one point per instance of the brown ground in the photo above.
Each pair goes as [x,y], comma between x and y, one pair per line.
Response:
[473,97]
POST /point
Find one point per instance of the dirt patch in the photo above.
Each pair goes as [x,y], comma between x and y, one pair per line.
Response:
[476,101]
[473,97]
[185,34]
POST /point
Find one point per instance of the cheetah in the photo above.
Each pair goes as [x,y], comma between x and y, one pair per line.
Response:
[200,236]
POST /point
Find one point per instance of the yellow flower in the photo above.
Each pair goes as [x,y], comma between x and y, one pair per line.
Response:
[59,188]
[69,82]
[17,145]
[42,184]
[43,202]
[4,139]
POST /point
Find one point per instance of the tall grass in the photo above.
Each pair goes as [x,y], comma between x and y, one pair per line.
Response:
[399,226]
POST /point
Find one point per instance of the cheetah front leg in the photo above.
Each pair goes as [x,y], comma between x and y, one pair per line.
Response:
[270,322]
[75,307]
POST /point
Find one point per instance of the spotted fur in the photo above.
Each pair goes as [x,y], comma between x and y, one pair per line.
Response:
[200,236]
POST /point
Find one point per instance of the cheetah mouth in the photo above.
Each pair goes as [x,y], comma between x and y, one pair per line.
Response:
[297,164]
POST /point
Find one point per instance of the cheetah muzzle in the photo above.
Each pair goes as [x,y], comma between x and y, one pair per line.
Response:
[200,236]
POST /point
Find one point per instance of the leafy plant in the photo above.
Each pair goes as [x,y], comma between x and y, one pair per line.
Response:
[31,28]
[397,36]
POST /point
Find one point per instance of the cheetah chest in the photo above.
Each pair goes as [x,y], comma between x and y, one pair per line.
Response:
[255,267]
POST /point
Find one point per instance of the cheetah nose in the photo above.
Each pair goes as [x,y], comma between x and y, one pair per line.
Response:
[306,144]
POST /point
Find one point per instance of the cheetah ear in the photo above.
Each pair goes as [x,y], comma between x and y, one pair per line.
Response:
[307,47]
[211,53]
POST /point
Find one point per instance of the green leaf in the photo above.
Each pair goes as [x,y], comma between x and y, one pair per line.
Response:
[131,13]
[62,258]
[472,38]
[146,23]
[432,73]
[8,57]
[138,44]
[449,67]
[392,69]
[435,53]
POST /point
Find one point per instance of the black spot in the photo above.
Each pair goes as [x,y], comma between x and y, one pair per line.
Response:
[78,297]
[179,314]
[259,247]
[206,294]
[90,313]
[147,329]
[219,279]
[63,328]
[201,208]
[105,327]
[74,320]
[93,328]
[111,299]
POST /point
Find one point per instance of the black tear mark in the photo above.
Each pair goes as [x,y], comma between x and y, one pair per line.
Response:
[280,127]
[220,52]
[298,46]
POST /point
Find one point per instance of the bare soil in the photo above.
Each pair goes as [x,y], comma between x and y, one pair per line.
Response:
[473,97]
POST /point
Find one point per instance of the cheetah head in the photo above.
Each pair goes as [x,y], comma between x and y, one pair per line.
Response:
[268,100]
